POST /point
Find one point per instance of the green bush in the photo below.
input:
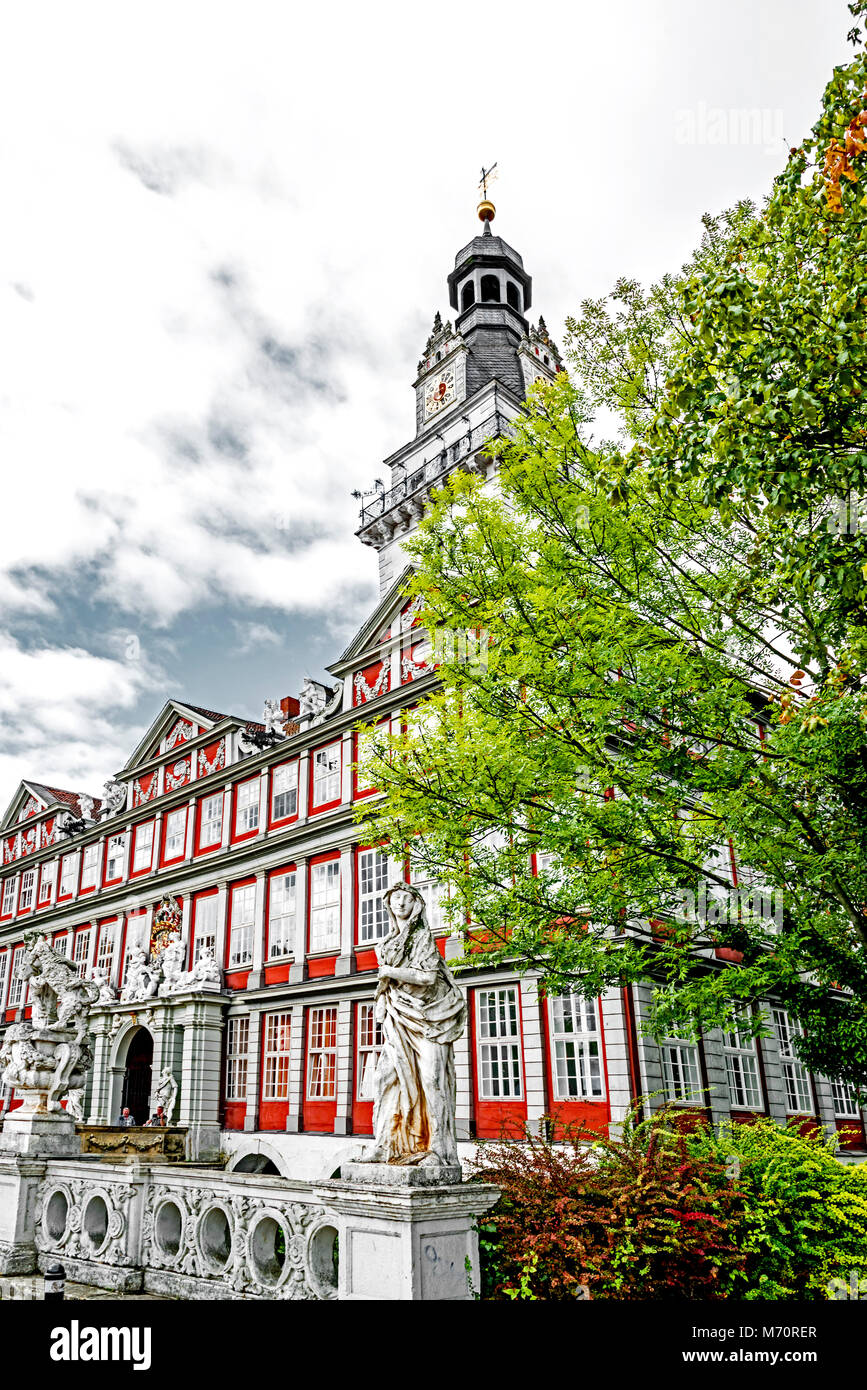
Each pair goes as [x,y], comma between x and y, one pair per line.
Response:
[804,1214]
[673,1210]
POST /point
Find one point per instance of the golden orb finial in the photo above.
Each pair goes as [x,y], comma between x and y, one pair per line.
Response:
[486,210]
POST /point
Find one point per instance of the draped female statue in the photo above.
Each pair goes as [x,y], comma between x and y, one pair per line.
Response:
[422,1013]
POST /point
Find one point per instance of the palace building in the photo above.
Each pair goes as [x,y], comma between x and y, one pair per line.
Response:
[219,897]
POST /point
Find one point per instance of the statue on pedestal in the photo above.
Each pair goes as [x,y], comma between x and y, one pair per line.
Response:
[48,1054]
[422,1012]
[167,1093]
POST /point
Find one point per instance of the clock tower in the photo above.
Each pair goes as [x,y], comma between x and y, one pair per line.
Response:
[471,381]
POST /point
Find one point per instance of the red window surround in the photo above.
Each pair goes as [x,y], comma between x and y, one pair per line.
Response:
[273,1113]
[497,1117]
[236,979]
[139,835]
[272,778]
[592,1114]
[165,856]
[319,1114]
[278,973]
[237,835]
[332,801]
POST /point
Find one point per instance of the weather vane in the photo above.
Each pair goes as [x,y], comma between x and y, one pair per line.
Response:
[486,209]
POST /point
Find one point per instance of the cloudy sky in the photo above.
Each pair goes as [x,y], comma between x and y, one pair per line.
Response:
[226,229]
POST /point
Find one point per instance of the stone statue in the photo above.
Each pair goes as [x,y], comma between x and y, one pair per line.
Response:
[87,804]
[142,979]
[167,1093]
[107,994]
[48,1054]
[75,1103]
[422,1012]
[274,719]
[313,697]
[114,796]
[206,972]
[172,962]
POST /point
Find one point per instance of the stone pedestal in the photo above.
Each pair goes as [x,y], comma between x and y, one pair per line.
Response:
[403,1236]
[19,1184]
[42,1134]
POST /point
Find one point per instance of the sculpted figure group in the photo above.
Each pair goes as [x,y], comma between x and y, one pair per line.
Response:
[49,1054]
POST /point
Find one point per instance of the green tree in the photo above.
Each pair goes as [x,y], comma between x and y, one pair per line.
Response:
[676,632]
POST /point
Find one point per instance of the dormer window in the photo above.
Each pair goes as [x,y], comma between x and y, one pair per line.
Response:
[490,289]
[468,295]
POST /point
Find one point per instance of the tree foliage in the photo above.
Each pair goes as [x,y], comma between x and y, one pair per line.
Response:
[676,631]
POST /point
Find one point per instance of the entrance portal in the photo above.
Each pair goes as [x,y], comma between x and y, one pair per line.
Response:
[137,1077]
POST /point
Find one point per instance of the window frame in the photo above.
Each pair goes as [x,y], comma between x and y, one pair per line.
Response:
[205,820]
[199,937]
[741,1061]
[244,954]
[368,1048]
[331,774]
[247,808]
[114,840]
[492,1047]
[796,1078]
[280,939]
[148,825]
[582,1039]
[276,1043]
[274,793]
[47,879]
[237,1058]
[27,885]
[323,1049]
[323,907]
[372,913]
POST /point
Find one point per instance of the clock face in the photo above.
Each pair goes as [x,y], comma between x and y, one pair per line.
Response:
[439,392]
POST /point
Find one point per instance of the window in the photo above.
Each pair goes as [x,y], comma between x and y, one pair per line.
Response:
[742,1070]
[4,970]
[16,987]
[681,1072]
[513,297]
[281,915]
[237,1043]
[575,1048]
[63,944]
[47,881]
[499,1045]
[211,831]
[176,825]
[9,895]
[326,775]
[322,1054]
[468,295]
[67,875]
[372,883]
[144,847]
[549,865]
[845,1101]
[81,950]
[490,289]
[369,1049]
[284,791]
[799,1096]
[28,882]
[275,1081]
[114,857]
[247,807]
[241,935]
[325,905]
[105,946]
[90,866]
[205,926]
[433,893]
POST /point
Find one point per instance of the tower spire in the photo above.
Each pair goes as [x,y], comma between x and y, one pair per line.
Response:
[486,210]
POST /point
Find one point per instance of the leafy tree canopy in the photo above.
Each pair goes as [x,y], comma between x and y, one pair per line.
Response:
[676,639]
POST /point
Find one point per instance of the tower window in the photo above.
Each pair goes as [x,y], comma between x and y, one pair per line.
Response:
[512,296]
[490,289]
[468,295]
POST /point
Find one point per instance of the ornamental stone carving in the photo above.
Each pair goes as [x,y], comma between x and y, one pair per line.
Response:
[107,993]
[48,1054]
[142,979]
[113,796]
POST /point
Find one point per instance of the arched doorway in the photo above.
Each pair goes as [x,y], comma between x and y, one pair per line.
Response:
[136,1091]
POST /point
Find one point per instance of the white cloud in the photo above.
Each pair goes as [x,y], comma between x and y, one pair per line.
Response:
[227,232]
